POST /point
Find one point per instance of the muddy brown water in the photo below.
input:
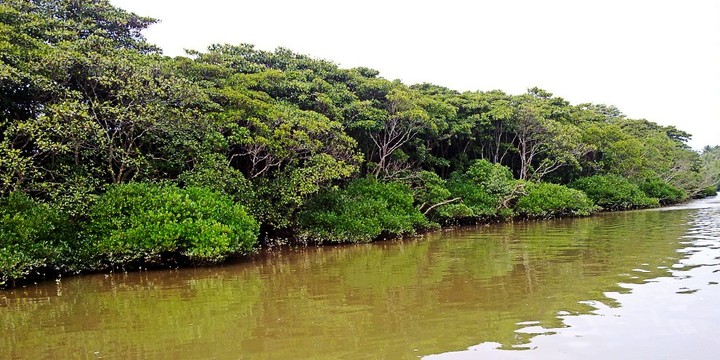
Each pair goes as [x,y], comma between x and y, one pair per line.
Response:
[640,284]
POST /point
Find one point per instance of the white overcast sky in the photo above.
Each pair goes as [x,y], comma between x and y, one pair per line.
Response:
[653,59]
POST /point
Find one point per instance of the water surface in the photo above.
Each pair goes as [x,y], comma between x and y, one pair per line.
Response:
[639,284]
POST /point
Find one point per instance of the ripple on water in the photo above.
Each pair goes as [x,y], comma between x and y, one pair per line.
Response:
[673,314]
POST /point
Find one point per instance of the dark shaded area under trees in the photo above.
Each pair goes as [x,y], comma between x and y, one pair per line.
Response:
[112,154]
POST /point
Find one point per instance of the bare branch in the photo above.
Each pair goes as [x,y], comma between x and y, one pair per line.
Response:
[441,204]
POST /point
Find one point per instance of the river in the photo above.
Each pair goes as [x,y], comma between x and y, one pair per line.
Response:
[639,284]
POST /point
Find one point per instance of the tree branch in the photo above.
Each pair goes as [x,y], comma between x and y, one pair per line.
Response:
[441,204]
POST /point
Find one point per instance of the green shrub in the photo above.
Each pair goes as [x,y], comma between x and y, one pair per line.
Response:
[31,236]
[483,188]
[496,179]
[545,200]
[476,199]
[365,210]
[429,189]
[455,211]
[664,192]
[614,192]
[434,199]
[707,192]
[144,222]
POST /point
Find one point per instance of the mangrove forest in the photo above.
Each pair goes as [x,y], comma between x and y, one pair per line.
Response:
[114,156]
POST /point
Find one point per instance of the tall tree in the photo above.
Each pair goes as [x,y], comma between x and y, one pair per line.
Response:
[544,143]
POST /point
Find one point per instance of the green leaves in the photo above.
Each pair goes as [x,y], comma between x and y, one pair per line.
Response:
[664,192]
[362,212]
[485,188]
[145,222]
[614,192]
[546,200]
[86,96]
[32,237]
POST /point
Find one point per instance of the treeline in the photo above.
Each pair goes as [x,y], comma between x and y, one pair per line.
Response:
[114,155]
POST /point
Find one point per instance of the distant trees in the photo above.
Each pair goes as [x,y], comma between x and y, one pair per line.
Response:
[710,170]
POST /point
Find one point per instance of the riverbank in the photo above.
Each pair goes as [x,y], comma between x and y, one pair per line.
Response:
[152,227]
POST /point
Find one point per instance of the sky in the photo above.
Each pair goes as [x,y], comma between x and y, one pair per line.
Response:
[653,59]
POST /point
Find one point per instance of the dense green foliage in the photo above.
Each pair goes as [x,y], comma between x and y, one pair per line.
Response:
[613,192]
[663,191]
[88,105]
[710,170]
[32,237]
[545,200]
[708,191]
[485,189]
[363,211]
[144,222]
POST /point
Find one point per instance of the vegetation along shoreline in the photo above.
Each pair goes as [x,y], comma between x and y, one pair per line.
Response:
[115,156]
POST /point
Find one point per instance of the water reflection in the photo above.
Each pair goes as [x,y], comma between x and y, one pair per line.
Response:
[509,286]
[669,315]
